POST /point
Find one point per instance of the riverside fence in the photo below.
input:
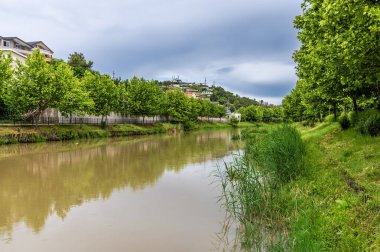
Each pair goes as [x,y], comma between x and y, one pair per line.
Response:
[88,121]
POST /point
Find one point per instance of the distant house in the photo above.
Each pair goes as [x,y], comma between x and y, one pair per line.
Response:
[207,92]
[20,49]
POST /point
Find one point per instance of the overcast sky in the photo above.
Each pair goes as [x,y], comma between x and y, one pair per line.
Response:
[243,45]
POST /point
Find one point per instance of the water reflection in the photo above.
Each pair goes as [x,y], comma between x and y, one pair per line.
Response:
[37,181]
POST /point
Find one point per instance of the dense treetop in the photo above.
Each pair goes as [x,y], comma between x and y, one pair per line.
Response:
[338,64]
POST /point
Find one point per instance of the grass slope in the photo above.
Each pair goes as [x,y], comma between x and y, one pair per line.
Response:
[337,206]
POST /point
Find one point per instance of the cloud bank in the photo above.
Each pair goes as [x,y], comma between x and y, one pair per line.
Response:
[243,45]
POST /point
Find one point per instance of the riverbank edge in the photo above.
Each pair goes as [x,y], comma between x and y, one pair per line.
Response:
[335,205]
[10,134]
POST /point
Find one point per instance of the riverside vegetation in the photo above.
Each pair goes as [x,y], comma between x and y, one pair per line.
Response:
[298,188]
[27,90]
[314,185]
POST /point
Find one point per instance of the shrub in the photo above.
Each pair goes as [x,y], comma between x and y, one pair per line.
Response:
[233,121]
[344,121]
[188,125]
[372,125]
[309,122]
[366,122]
[330,118]
[353,118]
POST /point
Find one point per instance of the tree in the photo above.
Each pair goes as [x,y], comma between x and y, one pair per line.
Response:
[178,106]
[79,64]
[339,55]
[6,75]
[144,97]
[36,87]
[75,99]
[103,91]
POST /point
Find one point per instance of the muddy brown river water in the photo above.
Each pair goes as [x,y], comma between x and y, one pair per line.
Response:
[151,193]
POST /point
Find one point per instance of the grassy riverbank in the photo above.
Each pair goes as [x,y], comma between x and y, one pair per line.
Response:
[326,198]
[31,134]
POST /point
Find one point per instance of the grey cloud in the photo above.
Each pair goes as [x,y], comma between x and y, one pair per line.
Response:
[156,38]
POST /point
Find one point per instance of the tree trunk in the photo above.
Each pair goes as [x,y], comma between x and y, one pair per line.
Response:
[354,101]
[334,111]
[378,95]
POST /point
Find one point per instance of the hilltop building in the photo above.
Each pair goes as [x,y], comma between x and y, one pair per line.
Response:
[20,49]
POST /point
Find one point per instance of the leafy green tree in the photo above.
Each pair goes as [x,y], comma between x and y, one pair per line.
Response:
[339,56]
[35,88]
[178,106]
[122,100]
[144,97]
[103,91]
[79,64]
[206,108]
[195,109]
[292,104]
[6,74]
[253,113]
[75,99]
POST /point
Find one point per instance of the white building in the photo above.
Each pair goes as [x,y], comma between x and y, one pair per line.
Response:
[20,49]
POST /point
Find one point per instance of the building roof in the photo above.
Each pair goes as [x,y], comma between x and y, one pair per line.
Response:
[28,44]
[20,41]
[34,43]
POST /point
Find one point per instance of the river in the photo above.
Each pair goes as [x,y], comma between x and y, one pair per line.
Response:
[151,193]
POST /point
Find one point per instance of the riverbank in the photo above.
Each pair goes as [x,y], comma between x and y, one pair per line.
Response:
[331,204]
[44,133]
[31,134]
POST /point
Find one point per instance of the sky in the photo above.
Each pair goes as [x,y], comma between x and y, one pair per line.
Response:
[245,46]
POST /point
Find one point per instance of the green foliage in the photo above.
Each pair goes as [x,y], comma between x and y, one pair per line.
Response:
[338,61]
[235,102]
[103,91]
[233,121]
[329,118]
[252,184]
[75,100]
[280,153]
[344,121]
[79,64]
[178,106]
[5,78]
[369,123]
[37,86]
[144,98]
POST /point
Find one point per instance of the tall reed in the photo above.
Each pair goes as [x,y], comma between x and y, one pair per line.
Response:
[252,185]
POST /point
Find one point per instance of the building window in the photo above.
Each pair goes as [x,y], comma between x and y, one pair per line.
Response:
[18,46]
[6,43]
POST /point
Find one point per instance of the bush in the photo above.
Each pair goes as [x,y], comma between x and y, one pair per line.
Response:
[344,121]
[353,118]
[372,125]
[188,125]
[330,118]
[233,121]
[309,122]
[366,122]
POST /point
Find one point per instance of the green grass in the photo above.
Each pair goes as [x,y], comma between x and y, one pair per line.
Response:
[340,199]
[332,204]
[32,134]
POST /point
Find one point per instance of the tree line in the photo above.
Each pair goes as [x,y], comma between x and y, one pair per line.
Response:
[73,88]
[338,64]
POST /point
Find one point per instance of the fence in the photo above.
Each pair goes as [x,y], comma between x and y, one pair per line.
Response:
[91,121]
[61,120]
